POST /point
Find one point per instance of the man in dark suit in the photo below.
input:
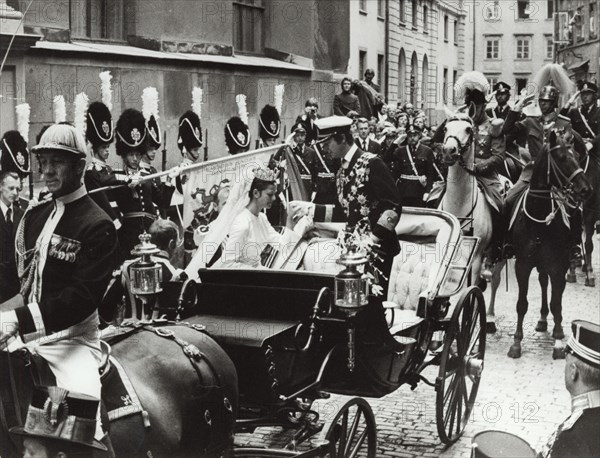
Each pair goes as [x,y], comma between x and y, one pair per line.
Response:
[10,215]
[586,118]
[411,166]
[363,141]
[502,94]
[366,192]
[577,436]
[311,109]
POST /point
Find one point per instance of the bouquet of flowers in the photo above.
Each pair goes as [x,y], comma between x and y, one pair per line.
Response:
[358,240]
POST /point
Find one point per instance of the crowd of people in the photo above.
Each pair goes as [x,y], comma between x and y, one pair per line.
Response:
[359,166]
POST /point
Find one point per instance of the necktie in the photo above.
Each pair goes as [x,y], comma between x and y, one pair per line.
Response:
[364,145]
[9,222]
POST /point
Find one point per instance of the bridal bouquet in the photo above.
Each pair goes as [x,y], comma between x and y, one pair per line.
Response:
[359,240]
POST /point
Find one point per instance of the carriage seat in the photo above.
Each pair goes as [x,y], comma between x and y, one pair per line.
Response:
[415,270]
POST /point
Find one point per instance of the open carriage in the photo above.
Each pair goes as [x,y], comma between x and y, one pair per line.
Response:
[291,345]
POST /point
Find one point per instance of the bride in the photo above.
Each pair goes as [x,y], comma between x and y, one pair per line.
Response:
[242,232]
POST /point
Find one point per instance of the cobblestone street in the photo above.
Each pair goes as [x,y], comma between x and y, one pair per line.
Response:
[525,396]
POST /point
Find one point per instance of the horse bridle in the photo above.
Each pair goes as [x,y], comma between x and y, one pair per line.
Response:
[462,148]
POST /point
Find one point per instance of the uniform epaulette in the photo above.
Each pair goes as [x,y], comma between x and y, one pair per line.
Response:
[94,166]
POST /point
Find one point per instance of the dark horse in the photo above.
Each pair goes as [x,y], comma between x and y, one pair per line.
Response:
[540,232]
[175,393]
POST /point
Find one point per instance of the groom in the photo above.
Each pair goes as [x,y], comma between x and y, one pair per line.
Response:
[365,189]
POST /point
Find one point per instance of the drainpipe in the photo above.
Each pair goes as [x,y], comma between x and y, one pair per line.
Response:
[387,49]
[474,35]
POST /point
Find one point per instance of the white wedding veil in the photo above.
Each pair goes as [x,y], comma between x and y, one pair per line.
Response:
[238,199]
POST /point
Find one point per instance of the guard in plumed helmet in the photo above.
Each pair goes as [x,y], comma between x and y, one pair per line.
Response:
[66,253]
[269,126]
[502,95]
[99,175]
[237,135]
[490,152]
[535,122]
[190,137]
[14,154]
[586,118]
[577,436]
[142,201]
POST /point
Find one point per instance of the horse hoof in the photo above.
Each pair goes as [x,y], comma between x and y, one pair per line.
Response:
[571,278]
[490,327]
[558,353]
[514,351]
[482,284]
[591,282]
[558,333]
[542,326]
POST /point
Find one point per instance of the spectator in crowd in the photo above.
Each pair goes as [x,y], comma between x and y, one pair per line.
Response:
[311,114]
[368,94]
[364,141]
[10,215]
[346,101]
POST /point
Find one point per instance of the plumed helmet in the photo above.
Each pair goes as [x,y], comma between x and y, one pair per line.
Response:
[549,93]
[237,135]
[99,125]
[190,131]
[131,132]
[154,135]
[14,155]
[473,86]
[269,123]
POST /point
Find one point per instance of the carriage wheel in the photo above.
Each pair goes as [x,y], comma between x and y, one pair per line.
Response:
[461,365]
[352,432]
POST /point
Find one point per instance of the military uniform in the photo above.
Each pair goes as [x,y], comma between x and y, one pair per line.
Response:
[98,175]
[585,121]
[498,112]
[407,165]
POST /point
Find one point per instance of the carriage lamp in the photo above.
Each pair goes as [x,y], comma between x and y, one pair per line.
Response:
[146,274]
[351,286]
[351,295]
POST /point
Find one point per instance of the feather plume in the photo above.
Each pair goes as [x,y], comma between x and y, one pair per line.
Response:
[23,112]
[150,103]
[240,99]
[80,107]
[473,80]
[555,75]
[197,94]
[279,90]
[60,109]
[106,90]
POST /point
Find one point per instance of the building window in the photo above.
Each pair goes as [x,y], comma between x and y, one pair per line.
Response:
[402,12]
[381,70]
[415,17]
[523,9]
[446,28]
[492,48]
[248,26]
[520,83]
[425,17]
[362,6]
[549,47]
[550,9]
[99,19]
[492,11]
[454,80]
[593,21]
[362,63]
[445,87]
[455,32]
[523,46]
[381,8]
[493,80]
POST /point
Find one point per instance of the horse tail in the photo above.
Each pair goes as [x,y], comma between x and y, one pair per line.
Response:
[187,385]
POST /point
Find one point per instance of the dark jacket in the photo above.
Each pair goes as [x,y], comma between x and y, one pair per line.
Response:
[344,103]
[581,439]
[312,133]
[77,269]
[582,118]
[7,235]
[372,146]
[496,112]
[403,173]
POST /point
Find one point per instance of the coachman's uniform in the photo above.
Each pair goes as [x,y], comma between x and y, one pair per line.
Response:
[67,251]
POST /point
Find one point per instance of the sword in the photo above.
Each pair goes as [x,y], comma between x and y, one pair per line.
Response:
[164,151]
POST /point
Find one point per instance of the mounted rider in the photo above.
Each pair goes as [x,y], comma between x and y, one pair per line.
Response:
[535,123]
[490,148]
[66,252]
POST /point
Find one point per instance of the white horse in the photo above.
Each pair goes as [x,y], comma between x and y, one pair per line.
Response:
[464,199]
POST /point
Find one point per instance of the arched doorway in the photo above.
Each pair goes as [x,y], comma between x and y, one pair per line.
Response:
[402,76]
[414,78]
[425,83]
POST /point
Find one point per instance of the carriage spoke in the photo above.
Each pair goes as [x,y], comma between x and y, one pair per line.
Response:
[474,342]
[359,444]
[353,430]
[450,388]
[459,406]
[343,435]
